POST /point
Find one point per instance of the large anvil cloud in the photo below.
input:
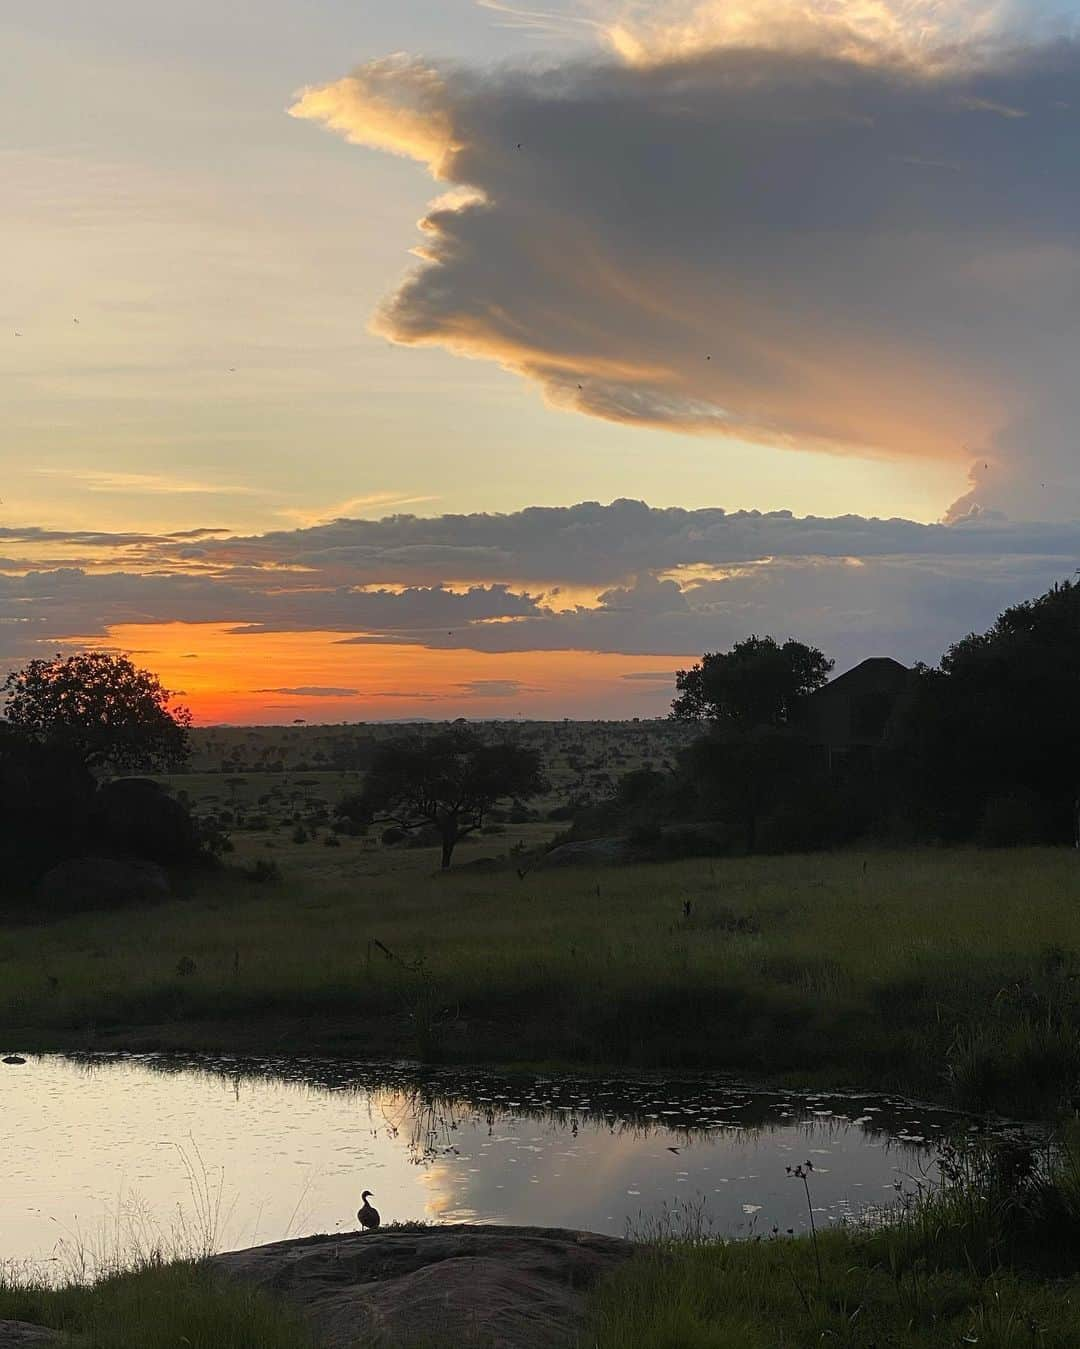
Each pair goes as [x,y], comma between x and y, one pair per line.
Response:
[799,247]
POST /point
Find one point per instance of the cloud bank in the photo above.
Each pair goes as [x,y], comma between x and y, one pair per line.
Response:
[621,578]
[832,226]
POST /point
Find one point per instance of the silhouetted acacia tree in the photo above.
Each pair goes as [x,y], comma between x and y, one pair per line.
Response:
[101,707]
[757,683]
[449,780]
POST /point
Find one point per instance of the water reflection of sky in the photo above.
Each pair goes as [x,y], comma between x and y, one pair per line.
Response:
[96,1147]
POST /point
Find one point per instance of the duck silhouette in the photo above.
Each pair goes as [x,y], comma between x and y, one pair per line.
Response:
[367,1216]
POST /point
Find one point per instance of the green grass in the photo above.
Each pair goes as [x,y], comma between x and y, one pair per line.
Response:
[989,1258]
[953,973]
[765,1296]
[156,1306]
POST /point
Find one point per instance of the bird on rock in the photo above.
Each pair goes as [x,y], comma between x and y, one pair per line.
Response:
[368,1216]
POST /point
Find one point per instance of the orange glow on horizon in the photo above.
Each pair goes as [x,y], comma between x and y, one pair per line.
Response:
[224,676]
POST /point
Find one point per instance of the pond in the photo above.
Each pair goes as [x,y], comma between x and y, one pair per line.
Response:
[110,1152]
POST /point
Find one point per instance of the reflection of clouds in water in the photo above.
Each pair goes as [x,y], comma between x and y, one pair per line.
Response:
[438,1181]
[609,1176]
[296,1142]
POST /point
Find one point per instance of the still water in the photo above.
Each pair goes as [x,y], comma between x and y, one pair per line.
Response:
[114,1150]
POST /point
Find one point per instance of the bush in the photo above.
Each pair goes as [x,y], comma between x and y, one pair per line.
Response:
[708,840]
[1011,821]
[262,872]
[642,837]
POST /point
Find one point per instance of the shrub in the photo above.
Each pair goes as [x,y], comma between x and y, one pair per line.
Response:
[643,837]
[1011,821]
[262,872]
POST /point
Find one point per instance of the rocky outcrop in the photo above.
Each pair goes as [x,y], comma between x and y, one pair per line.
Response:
[137,818]
[515,1287]
[101,882]
[22,1335]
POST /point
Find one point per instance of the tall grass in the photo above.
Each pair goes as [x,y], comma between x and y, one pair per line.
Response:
[156,1305]
[949,972]
[133,1284]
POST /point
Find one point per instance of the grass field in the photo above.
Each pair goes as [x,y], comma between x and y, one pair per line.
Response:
[949,973]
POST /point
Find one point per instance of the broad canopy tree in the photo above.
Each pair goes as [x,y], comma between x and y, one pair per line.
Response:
[102,708]
[759,682]
[448,780]
[999,721]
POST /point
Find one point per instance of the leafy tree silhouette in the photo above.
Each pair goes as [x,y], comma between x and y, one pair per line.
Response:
[102,707]
[758,682]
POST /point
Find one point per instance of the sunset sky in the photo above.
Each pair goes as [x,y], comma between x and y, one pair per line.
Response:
[367,360]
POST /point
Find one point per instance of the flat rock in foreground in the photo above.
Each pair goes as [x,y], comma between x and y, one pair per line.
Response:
[511,1287]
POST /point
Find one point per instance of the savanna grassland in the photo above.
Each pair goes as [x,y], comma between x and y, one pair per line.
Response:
[951,973]
[948,973]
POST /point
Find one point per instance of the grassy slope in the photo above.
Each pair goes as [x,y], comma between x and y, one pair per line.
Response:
[880,968]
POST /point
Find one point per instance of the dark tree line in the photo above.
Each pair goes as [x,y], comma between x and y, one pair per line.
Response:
[990,740]
[983,747]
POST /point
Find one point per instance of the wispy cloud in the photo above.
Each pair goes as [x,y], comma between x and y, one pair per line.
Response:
[312,691]
[544,22]
[352,507]
[138,484]
[494,688]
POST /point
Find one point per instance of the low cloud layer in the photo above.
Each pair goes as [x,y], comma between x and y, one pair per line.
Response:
[620,578]
[851,233]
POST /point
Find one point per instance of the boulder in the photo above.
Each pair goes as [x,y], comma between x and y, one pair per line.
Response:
[516,1287]
[21,1335]
[484,865]
[589,852]
[137,817]
[102,883]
